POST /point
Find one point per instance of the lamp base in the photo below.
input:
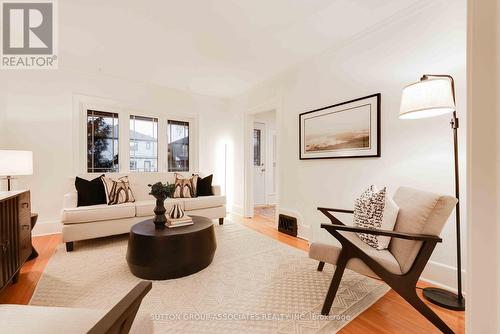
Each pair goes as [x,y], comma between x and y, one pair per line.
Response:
[444,298]
[9,179]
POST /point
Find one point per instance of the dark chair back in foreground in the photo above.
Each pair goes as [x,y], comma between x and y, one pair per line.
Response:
[120,318]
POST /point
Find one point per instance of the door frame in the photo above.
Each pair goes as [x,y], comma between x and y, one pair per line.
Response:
[263,157]
[269,105]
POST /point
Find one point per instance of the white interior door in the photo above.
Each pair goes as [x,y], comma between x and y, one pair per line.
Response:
[259,164]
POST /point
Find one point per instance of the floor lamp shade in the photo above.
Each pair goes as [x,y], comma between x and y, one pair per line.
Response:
[427,98]
[14,163]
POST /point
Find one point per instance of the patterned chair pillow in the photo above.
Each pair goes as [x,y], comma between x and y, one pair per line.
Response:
[118,191]
[375,210]
[185,187]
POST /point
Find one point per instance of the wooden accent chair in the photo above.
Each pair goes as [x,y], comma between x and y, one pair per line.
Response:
[422,216]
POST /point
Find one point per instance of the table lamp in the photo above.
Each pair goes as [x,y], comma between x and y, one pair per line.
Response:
[434,95]
[15,163]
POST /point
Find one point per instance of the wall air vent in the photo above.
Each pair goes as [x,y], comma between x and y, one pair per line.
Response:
[287,224]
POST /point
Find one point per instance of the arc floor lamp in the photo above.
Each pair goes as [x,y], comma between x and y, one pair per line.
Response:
[434,95]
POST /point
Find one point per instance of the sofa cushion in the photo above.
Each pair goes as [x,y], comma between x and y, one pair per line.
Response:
[145,208]
[97,213]
[204,202]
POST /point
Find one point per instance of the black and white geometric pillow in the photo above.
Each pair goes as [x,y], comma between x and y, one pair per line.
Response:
[185,187]
[375,210]
[117,191]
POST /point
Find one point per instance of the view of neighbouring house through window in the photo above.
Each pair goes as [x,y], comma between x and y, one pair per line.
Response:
[143,144]
[102,141]
[178,146]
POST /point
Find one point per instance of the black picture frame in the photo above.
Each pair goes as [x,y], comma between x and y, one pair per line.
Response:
[375,100]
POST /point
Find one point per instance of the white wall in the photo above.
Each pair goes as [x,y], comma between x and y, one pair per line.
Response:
[221,142]
[38,113]
[483,159]
[414,153]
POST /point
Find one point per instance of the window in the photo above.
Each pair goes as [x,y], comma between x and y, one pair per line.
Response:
[143,144]
[256,147]
[178,146]
[102,141]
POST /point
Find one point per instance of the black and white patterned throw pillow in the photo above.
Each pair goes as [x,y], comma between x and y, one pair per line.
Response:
[375,210]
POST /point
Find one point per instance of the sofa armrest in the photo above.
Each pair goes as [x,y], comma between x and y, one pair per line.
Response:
[70,200]
[216,190]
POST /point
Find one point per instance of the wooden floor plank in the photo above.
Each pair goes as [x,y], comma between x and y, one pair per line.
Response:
[390,314]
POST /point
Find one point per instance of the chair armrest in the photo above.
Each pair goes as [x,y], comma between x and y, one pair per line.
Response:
[70,200]
[394,234]
[333,219]
[216,190]
[335,210]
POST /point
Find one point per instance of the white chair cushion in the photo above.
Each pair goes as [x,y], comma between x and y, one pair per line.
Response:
[204,202]
[99,212]
[330,253]
[27,319]
[145,208]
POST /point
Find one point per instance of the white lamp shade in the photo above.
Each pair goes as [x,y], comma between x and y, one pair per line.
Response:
[427,98]
[16,162]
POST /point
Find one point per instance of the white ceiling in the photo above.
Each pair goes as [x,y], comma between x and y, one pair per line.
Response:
[212,47]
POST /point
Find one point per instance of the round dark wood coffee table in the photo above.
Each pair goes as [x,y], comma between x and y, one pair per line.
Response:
[159,254]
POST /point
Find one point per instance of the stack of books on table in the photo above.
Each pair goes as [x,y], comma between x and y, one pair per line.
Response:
[184,221]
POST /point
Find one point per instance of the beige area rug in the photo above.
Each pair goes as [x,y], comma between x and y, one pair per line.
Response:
[254,285]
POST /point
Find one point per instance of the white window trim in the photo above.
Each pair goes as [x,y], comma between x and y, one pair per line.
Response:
[82,103]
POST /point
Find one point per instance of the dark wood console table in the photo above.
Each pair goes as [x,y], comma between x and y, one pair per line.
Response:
[15,234]
[159,254]
[34,253]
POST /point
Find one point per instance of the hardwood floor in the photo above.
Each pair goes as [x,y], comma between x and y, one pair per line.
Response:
[21,292]
[390,314]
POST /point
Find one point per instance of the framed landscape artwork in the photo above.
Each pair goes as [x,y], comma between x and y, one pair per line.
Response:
[346,130]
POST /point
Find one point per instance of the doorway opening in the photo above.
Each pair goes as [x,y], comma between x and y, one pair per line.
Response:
[264,150]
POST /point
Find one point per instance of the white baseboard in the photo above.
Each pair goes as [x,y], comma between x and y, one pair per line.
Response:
[47,227]
[442,275]
[304,232]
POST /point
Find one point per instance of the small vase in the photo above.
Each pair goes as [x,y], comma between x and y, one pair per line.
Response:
[160,218]
[176,212]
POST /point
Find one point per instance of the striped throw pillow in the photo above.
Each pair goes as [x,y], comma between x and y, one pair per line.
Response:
[118,191]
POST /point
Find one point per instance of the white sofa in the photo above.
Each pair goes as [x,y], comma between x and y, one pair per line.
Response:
[88,222]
